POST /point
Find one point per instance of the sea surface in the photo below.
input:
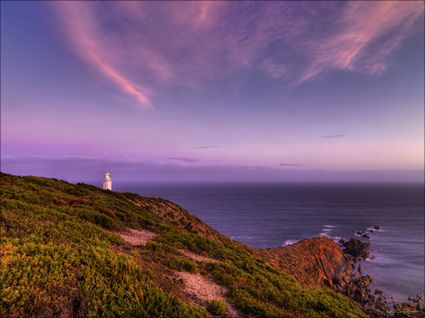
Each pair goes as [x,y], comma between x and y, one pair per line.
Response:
[271,215]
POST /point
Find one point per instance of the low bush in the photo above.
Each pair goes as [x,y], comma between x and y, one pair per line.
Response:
[218,308]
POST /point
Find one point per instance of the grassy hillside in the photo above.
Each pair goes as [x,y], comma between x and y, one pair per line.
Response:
[62,256]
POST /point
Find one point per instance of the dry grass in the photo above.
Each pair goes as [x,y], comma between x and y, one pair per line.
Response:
[198,258]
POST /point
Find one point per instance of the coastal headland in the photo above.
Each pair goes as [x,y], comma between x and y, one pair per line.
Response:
[74,250]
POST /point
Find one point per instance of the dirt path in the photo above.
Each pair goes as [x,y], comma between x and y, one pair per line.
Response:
[137,237]
[205,290]
[201,287]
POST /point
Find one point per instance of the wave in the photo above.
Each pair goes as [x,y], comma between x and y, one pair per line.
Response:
[326,230]
[289,242]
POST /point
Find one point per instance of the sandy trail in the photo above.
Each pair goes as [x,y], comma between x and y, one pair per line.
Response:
[201,287]
[137,237]
[205,290]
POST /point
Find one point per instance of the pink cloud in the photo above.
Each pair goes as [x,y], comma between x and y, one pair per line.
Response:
[79,25]
[353,46]
[146,47]
[274,69]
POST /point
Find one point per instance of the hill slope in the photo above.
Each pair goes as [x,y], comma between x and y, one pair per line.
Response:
[78,251]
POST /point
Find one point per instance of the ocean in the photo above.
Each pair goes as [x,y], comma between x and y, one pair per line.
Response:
[271,215]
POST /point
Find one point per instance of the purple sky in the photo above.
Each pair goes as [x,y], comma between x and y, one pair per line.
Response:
[223,91]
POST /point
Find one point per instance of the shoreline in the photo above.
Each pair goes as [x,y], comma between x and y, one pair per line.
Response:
[340,266]
[377,302]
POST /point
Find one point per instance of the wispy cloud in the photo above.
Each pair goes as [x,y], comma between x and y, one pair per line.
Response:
[333,136]
[79,23]
[366,34]
[205,147]
[289,165]
[184,159]
[145,48]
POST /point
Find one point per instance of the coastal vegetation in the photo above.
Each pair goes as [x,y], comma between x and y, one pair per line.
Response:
[65,252]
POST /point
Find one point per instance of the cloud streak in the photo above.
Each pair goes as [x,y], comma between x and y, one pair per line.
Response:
[184,159]
[367,33]
[205,147]
[289,165]
[79,24]
[332,136]
[147,48]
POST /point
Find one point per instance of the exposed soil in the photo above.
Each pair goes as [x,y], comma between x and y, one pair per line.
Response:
[201,287]
[204,290]
[137,237]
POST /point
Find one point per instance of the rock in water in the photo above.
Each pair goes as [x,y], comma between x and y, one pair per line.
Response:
[356,248]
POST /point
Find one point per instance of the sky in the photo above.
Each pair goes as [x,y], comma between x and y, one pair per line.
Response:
[213,91]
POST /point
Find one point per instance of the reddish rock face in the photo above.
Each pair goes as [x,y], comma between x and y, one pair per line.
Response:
[315,262]
[320,262]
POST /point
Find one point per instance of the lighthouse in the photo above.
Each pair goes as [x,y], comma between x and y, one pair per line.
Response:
[107,181]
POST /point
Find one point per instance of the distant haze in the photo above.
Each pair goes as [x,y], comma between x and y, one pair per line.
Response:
[91,170]
[213,91]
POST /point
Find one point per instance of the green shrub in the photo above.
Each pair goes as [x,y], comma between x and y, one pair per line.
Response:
[182,264]
[218,308]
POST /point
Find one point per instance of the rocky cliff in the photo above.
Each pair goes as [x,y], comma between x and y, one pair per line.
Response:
[312,262]
[320,262]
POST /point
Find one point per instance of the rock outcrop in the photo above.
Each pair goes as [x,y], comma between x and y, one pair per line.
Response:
[314,262]
[321,262]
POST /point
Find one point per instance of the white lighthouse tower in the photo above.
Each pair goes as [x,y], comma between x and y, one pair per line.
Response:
[107,181]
